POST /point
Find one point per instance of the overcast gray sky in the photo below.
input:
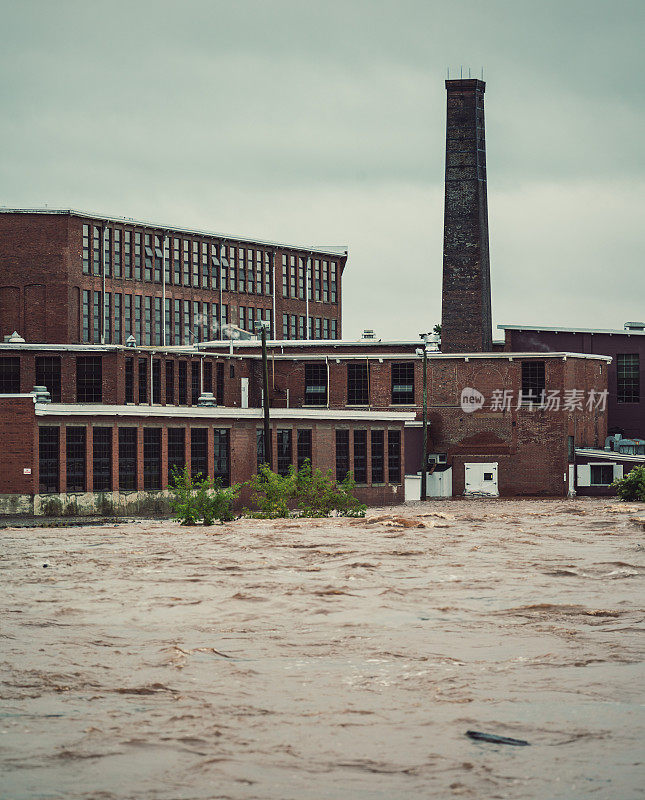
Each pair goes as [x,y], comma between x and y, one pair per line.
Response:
[324,122]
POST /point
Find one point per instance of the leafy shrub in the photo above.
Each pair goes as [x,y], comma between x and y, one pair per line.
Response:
[71,509]
[214,500]
[104,505]
[319,495]
[312,493]
[632,486]
[201,498]
[52,507]
[272,493]
[183,501]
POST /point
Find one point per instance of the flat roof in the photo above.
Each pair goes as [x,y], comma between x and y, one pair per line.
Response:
[193,350]
[225,413]
[556,329]
[333,250]
[611,455]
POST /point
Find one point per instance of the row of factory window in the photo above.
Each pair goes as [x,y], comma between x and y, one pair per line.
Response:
[190,379]
[295,327]
[370,451]
[313,279]
[101,456]
[205,265]
[358,384]
[197,378]
[184,322]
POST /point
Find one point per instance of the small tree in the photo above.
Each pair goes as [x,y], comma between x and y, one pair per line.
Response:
[319,495]
[313,492]
[201,498]
[272,493]
[215,501]
[184,499]
[632,486]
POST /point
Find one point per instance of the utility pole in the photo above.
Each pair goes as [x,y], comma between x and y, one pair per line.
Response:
[265,398]
[424,465]
[424,462]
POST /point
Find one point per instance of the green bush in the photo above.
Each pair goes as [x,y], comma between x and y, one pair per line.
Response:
[319,495]
[632,486]
[310,493]
[214,500]
[183,501]
[52,507]
[201,498]
[271,493]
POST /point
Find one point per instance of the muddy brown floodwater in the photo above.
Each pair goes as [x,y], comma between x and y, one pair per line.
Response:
[328,658]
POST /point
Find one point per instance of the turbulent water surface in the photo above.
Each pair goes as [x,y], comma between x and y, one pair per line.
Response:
[328,658]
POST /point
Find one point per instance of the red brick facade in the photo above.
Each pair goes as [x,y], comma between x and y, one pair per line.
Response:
[48,260]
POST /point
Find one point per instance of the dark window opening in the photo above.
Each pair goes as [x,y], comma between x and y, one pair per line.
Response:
[176,452]
[315,384]
[48,459]
[170,382]
[378,457]
[219,383]
[48,374]
[75,456]
[304,446]
[152,458]
[403,383]
[183,371]
[360,456]
[102,459]
[9,376]
[394,456]
[342,454]
[127,459]
[156,380]
[195,389]
[284,454]
[259,441]
[628,377]
[89,379]
[533,381]
[129,380]
[221,448]
[208,376]
[358,388]
[143,380]
[602,474]
[199,452]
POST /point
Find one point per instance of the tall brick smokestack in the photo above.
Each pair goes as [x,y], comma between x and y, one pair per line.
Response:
[466,322]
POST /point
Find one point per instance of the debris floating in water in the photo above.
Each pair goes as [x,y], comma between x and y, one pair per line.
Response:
[491,737]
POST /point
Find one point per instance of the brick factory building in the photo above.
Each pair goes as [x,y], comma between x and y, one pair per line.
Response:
[67,277]
[626,374]
[133,327]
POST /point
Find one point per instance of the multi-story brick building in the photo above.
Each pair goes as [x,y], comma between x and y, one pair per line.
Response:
[69,277]
[349,406]
[626,373]
[125,325]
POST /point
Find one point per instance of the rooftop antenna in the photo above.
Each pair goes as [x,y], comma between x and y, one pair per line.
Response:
[482,73]
[448,73]
[469,72]
[461,72]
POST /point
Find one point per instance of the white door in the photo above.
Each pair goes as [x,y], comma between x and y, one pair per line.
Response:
[245,392]
[481,479]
